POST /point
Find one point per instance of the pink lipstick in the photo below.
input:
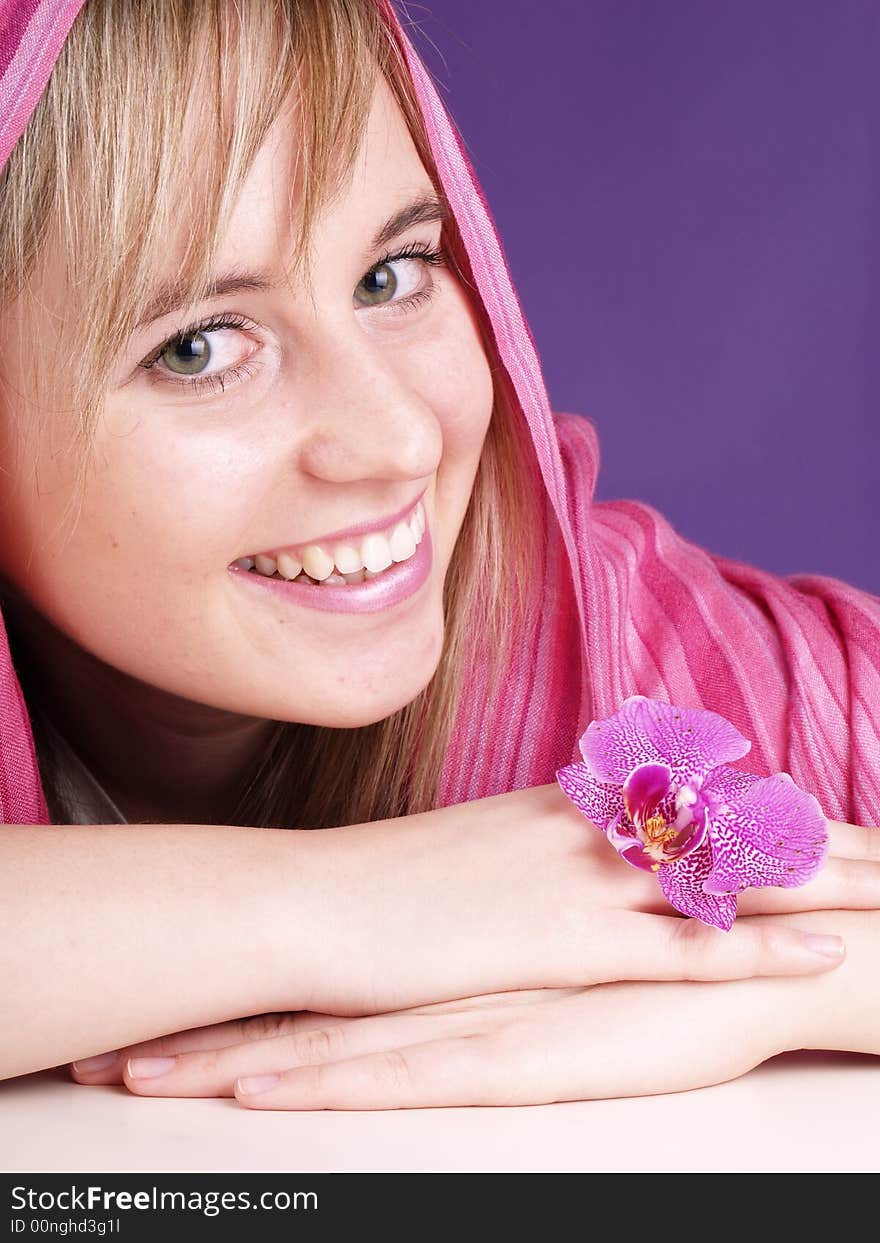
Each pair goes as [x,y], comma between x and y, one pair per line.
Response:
[390,587]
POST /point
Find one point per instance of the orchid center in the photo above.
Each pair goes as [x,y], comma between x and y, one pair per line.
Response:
[663,821]
[655,835]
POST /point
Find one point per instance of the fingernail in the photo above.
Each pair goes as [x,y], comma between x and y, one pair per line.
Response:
[149,1067]
[253,1084]
[819,943]
[101,1062]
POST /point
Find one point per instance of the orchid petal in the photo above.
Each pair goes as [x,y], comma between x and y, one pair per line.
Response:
[691,741]
[637,857]
[682,885]
[772,834]
[599,802]
[644,789]
[728,785]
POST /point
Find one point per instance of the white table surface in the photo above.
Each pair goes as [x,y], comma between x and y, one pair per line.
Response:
[800,1112]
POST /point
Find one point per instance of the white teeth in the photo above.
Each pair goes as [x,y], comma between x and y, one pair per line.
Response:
[345,562]
[403,542]
[368,574]
[265,565]
[376,552]
[288,566]
[316,562]
[338,579]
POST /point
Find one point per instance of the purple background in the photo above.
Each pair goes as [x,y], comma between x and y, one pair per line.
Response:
[687,193]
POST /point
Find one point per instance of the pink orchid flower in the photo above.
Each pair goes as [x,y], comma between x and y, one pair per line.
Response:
[657,781]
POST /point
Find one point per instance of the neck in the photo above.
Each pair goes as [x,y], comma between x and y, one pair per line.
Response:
[160,757]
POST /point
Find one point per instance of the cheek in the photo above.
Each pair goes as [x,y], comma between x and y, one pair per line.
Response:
[454,378]
[176,514]
[154,526]
[141,581]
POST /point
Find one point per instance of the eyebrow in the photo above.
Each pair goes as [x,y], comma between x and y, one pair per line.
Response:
[426,209]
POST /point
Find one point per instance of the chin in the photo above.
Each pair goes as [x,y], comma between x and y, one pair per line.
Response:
[357,704]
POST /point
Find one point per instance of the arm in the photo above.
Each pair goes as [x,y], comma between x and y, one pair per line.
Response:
[111,932]
[114,935]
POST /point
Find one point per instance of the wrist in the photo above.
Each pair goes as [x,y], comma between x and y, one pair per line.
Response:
[302,899]
[350,906]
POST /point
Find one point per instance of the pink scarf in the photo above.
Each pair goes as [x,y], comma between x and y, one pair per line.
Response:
[632,607]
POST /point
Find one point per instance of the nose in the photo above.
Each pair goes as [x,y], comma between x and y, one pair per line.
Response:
[366,417]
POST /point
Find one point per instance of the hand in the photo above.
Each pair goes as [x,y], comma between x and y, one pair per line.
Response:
[622,1039]
[534,1047]
[519,891]
[549,1045]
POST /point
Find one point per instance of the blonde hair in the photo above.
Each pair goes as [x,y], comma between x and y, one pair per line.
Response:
[100,171]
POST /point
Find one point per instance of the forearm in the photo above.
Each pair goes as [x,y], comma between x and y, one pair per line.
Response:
[113,934]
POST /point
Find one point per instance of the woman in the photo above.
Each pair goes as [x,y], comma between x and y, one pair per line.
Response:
[310,355]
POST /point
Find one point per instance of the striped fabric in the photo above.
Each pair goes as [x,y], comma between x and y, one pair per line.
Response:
[630,606]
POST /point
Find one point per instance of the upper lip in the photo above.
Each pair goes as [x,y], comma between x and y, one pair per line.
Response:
[360,528]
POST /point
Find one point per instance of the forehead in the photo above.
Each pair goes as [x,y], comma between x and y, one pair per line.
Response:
[386,169]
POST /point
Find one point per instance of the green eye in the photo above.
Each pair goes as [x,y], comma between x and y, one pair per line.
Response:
[384,283]
[189,355]
[378,282]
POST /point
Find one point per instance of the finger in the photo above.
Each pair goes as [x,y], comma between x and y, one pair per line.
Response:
[109,1068]
[213,1072]
[842,884]
[449,1071]
[854,841]
[660,947]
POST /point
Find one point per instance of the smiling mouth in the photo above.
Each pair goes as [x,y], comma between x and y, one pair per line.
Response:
[344,562]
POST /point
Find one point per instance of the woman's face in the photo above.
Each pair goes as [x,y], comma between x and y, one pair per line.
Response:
[348,407]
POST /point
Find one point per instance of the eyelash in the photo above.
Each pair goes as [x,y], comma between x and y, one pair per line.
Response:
[413,250]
